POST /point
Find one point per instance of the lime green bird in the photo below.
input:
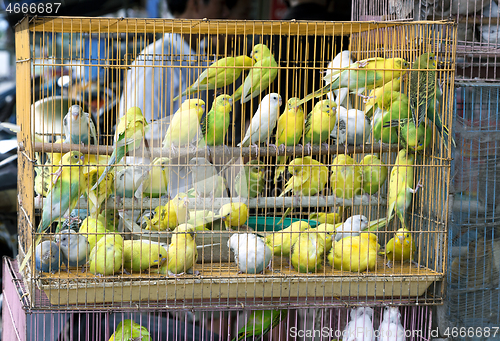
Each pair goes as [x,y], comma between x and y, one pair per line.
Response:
[185,124]
[309,177]
[129,134]
[128,330]
[65,191]
[374,173]
[289,130]
[423,93]
[399,191]
[98,196]
[182,254]
[106,257]
[260,76]
[319,123]
[92,229]
[281,242]
[385,122]
[326,218]
[219,74]
[416,139]
[260,322]
[401,248]
[214,127]
[250,180]
[307,252]
[346,177]
[154,183]
[140,255]
[363,75]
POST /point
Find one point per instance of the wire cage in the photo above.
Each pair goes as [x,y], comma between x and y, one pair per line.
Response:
[477,32]
[473,275]
[415,322]
[170,210]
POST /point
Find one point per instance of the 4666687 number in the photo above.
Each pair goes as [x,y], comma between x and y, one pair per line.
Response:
[472,332]
[40,8]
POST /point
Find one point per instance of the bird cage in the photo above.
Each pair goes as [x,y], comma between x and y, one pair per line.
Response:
[411,322]
[171,207]
[473,275]
[477,32]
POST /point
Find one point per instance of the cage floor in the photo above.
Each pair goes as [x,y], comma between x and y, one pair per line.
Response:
[222,280]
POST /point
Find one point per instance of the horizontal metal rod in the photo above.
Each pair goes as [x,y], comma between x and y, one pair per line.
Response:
[223,150]
[217,203]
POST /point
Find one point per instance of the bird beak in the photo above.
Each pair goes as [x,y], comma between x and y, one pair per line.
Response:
[230,101]
[203,107]
[280,101]
[82,158]
[401,238]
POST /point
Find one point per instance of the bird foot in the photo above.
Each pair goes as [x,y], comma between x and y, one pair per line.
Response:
[365,97]
[126,272]
[362,63]
[256,148]
[420,184]
[326,145]
[282,148]
[417,265]
[174,149]
[196,273]
[272,145]
[193,148]
[389,264]
[308,148]
[227,149]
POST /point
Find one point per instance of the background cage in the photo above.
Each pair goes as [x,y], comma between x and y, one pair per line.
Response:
[295,45]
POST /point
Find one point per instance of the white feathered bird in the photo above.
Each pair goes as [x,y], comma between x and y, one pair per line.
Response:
[360,327]
[391,328]
[351,127]
[250,252]
[351,227]
[341,60]
[263,121]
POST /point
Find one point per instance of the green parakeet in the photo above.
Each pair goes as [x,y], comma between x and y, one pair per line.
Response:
[260,322]
[374,173]
[128,330]
[260,76]
[221,73]
[363,75]
[423,93]
[250,180]
[397,107]
[216,123]
[320,122]
[400,192]
[65,190]
[309,177]
[415,138]
[289,130]
[129,134]
[139,255]
[185,123]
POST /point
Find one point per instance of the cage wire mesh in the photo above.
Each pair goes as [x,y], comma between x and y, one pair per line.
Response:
[184,218]
[22,323]
[477,32]
[473,277]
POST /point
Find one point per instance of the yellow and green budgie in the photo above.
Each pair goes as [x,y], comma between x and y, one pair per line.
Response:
[128,330]
[220,73]
[185,124]
[363,75]
[260,322]
[289,130]
[129,134]
[281,242]
[401,248]
[106,257]
[260,76]
[214,127]
[319,123]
